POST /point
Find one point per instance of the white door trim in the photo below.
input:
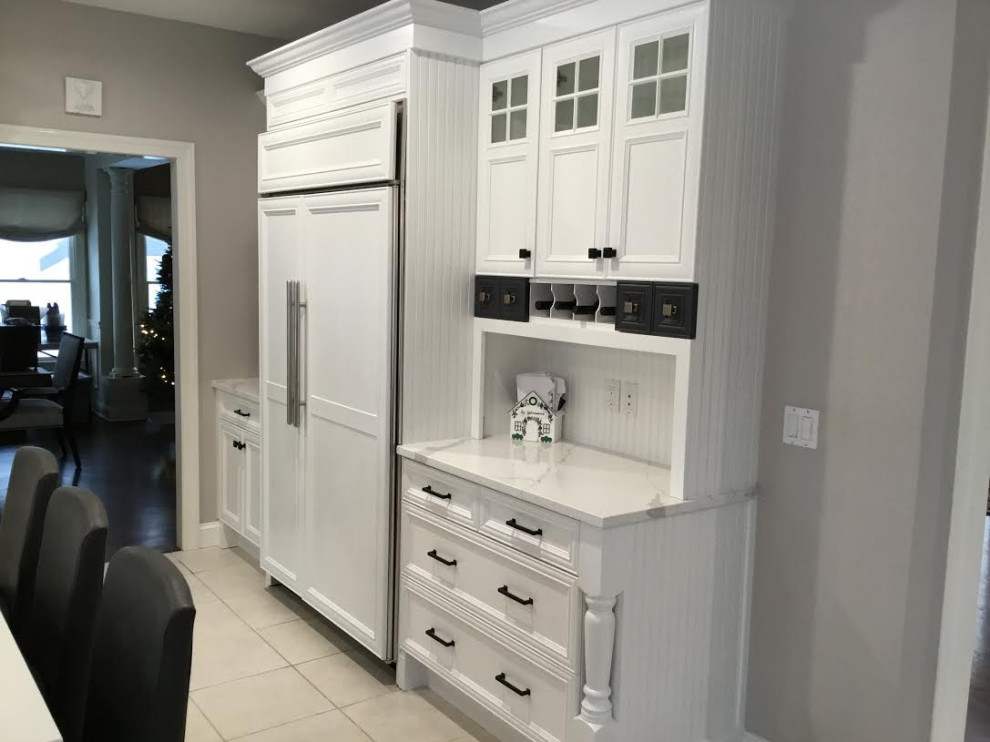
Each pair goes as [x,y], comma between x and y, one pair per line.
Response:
[182,155]
[957,639]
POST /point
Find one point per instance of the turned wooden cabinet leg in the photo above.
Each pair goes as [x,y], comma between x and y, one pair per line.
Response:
[599,641]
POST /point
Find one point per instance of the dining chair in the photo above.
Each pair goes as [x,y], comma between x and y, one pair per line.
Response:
[33,477]
[142,652]
[50,407]
[57,636]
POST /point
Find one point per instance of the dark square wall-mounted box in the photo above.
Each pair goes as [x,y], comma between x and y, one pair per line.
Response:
[669,309]
[501,297]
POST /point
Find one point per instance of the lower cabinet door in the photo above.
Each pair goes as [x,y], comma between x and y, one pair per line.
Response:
[231,475]
[252,490]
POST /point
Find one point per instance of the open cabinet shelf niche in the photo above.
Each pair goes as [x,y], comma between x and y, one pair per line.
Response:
[645,434]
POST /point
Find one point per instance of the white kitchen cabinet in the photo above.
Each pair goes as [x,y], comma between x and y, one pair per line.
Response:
[575,146]
[656,152]
[509,132]
[238,432]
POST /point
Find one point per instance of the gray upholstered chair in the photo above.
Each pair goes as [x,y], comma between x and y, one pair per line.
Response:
[57,636]
[33,477]
[46,407]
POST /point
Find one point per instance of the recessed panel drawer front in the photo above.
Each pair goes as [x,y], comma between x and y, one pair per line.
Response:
[535,531]
[532,699]
[534,601]
[441,494]
[355,146]
[238,410]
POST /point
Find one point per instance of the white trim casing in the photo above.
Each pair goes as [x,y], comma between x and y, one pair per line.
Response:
[182,155]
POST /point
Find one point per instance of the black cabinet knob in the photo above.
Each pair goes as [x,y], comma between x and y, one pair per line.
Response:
[524,254]
[609,252]
[594,253]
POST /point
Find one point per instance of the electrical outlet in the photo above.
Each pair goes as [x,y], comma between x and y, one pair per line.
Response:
[614,391]
[630,397]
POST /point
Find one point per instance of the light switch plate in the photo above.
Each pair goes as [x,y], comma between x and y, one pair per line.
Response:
[801,427]
[630,397]
[84,97]
[614,387]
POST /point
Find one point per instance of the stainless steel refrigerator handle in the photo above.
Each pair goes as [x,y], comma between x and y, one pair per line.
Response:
[291,342]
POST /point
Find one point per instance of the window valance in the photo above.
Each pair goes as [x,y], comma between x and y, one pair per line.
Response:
[154,217]
[32,215]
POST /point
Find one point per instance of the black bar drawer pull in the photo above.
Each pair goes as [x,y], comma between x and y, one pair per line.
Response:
[511,523]
[432,633]
[430,491]
[446,562]
[518,691]
[504,590]
[242,413]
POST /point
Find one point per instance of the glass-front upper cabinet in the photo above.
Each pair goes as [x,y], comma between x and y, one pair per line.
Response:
[657,145]
[509,117]
[575,142]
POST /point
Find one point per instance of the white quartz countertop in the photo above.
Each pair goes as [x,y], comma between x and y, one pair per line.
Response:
[599,488]
[246,388]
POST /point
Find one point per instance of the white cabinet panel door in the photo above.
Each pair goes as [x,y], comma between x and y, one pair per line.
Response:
[230,460]
[355,146]
[252,489]
[575,144]
[350,331]
[280,235]
[509,132]
[659,101]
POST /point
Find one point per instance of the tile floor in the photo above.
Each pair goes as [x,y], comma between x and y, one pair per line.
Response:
[266,668]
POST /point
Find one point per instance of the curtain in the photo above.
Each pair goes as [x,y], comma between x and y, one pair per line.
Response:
[154,216]
[31,215]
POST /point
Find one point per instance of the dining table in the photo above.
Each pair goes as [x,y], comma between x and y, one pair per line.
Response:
[24,716]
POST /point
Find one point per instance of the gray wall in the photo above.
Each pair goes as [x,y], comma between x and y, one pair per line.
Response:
[162,80]
[869,288]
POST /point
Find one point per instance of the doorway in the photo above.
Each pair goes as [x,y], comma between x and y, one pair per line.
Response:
[180,158]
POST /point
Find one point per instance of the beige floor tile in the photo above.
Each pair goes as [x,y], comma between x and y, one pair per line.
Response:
[403,717]
[262,608]
[260,702]
[232,581]
[173,556]
[332,726]
[201,594]
[198,729]
[349,678]
[472,731]
[212,557]
[225,648]
[302,641]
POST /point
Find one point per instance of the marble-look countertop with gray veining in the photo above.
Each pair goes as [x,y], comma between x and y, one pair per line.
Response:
[593,486]
[246,388]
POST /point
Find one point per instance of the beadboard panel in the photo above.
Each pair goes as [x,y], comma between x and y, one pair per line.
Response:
[441,161]
[735,235]
[694,572]
[587,369]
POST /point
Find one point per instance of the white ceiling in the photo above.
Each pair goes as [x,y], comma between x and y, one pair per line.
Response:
[278,19]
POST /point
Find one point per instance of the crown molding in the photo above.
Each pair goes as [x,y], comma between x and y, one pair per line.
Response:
[392,15]
[514,13]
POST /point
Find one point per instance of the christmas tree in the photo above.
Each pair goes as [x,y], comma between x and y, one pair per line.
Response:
[156,343]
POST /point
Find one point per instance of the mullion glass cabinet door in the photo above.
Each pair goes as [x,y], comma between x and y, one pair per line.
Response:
[575,138]
[656,145]
[508,147]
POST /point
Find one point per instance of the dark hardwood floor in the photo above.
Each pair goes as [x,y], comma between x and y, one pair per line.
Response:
[131,466]
[978,717]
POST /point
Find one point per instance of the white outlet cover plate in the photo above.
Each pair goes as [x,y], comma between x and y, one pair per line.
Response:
[84,97]
[801,427]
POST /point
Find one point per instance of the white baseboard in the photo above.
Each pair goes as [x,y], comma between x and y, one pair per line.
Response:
[750,737]
[213,534]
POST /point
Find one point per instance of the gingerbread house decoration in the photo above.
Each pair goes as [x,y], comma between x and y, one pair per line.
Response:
[532,420]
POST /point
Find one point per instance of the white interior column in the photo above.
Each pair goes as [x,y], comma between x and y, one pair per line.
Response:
[121,249]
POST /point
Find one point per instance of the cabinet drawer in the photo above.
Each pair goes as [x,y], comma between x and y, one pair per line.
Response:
[238,410]
[532,601]
[530,698]
[441,494]
[356,146]
[541,533]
